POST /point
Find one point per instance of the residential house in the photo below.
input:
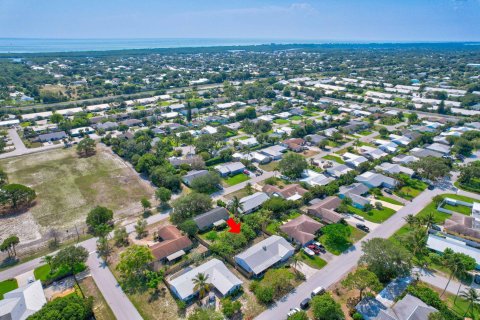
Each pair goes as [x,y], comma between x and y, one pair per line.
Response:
[171,246]
[22,302]
[394,168]
[219,277]
[274,152]
[250,142]
[329,132]
[315,139]
[230,168]
[301,230]
[400,140]
[356,192]
[295,144]
[265,254]
[353,160]
[193,174]
[404,159]
[209,130]
[289,192]
[338,170]
[423,153]
[439,244]
[52,136]
[209,219]
[372,153]
[252,202]
[355,126]
[192,160]
[324,209]
[313,178]
[376,180]
[439,147]
[106,126]
[131,122]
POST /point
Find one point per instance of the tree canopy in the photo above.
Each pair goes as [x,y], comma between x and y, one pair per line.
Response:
[292,165]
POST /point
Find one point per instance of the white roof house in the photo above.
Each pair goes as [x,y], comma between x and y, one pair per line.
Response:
[248,142]
[209,130]
[218,276]
[394,168]
[313,178]
[21,303]
[439,244]
[439,147]
[253,202]
[265,254]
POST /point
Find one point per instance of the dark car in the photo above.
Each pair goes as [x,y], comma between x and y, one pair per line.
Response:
[388,191]
[431,187]
[476,279]
[363,227]
[305,303]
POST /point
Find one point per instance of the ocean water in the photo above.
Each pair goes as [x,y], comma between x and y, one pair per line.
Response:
[23,45]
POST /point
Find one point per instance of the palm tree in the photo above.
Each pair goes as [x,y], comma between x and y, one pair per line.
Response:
[235,206]
[201,285]
[411,220]
[418,241]
[471,296]
[429,219]
[453,263]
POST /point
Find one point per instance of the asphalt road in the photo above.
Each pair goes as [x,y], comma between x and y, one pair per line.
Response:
[335,270]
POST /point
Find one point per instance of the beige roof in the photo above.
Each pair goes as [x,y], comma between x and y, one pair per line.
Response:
[302,229]
[287,191]
[173,241]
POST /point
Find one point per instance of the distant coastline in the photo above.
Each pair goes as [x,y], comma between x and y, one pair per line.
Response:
[45,46]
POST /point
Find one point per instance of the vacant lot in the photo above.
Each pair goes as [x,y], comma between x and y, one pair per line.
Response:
[68,187]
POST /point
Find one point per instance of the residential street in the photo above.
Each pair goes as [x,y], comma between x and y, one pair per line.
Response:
[341,265]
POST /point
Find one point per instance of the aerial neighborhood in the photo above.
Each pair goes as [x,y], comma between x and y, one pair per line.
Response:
[270,182]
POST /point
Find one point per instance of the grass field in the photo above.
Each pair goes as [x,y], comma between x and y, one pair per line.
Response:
[42,272]
[7,286]
[296,118]
[272,166]
[68,187]
[459,208]
[314,262]
[236,179]
[376,216]
[389,200]
[334,158]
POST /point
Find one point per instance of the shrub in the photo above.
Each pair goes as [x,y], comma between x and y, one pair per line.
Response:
[230,308]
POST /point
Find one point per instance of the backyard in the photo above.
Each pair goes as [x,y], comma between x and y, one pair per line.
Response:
[7,286]
[68,186]
[314,262]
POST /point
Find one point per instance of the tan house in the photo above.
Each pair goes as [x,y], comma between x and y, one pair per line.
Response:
[173,244]
[324,209]
[302,229]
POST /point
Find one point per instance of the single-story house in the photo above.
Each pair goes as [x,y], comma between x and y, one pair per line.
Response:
[400,140]
[313,178]
[301,230]
[314,139]
[230,168]
[423,153]
[439,147]
[324,209]
[353,126]
[404,159]
[373,153]
[439,244]
[249,142]
[274,152]
[294,144]
[222,279]
[329,132]
[191,175]
[52,136]
[82,130]
[353,160]
[338,170]
[355,191]
[106,126]
[131,122]
[265,254]
[394,168]
[289,192]
[209,219]
[209,130]
[173,244]
[22,302]
[376,180]
[252,202]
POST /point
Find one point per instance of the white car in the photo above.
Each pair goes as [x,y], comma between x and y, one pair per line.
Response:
[292,312]
[309,252]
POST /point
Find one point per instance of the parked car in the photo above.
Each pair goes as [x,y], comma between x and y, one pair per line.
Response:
[363,227]
[318,291]
[389,191]
[309,252]
[314,248]
[320,247]
[431,187]
[305,303]
[292,312]
[476,279]
[246,172]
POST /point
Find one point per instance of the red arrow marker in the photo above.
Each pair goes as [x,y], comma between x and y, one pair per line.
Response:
[234,227]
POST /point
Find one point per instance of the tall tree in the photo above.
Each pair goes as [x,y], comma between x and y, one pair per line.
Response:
[235,206]
[473,299]
[201,284]
[70,258]
[292,165]
[361,280]
[100,220]
[86,147]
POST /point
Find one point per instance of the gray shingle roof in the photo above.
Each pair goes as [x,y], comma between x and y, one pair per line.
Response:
[207,219]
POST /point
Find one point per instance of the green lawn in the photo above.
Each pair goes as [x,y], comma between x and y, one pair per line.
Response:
[272,166]
[458,208]
[296,118]
[334,158]
[376,216]
[389,200]
[42,272]
[364,133]
[236,179]
[314,262]
[7,286]
[407,193]
[473,186]
[280,121]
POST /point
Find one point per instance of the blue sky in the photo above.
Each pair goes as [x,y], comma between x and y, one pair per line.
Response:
[342,20]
